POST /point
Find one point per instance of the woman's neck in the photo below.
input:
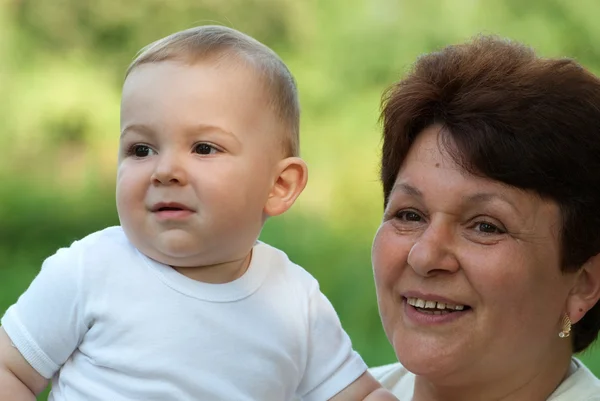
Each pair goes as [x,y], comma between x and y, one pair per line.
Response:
[527,382]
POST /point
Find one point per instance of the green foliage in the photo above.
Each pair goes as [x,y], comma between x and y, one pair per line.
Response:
[63,64]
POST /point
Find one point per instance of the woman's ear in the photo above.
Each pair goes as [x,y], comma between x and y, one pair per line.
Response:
[586,291]
[290,181]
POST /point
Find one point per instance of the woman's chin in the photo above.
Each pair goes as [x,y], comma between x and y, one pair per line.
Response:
[429,358]
[426,368]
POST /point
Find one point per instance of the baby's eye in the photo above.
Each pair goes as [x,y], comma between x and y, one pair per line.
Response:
[408,215]
[205,149]
[141,151]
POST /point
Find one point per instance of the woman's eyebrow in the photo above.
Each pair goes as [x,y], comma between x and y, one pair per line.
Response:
[407,189]
[488,197]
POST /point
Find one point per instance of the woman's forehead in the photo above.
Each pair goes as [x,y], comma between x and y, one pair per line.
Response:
[431,173]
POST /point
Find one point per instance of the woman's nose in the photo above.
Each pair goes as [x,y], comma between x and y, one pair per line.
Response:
[169,170]
[433,251]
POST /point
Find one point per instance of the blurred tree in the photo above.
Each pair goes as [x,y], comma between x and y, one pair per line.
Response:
[116,29]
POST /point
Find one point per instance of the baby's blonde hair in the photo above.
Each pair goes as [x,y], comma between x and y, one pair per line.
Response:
[202,42]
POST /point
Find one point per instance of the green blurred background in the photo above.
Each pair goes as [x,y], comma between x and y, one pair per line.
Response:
[62,65]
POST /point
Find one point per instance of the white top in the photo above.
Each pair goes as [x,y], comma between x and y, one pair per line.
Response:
[107,323]
[580,385]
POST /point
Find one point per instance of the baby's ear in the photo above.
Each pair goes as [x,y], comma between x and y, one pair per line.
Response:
[292,174]
[586,292]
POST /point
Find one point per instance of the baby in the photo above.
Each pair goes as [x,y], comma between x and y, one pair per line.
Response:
[181,302]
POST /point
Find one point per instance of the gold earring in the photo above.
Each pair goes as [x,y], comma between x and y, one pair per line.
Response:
[566,327]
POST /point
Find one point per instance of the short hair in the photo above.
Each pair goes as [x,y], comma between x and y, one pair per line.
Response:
[204,42]
[514,117]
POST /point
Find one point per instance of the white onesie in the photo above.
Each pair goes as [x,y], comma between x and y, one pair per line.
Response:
[105,322]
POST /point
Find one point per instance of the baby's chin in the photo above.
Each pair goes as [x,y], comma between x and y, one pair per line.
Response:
[177,256]
[208,268]
[173,252]
[181,248]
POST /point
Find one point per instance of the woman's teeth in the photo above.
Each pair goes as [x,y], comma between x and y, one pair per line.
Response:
[436,308]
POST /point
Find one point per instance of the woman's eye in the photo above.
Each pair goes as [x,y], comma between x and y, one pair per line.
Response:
[205,149]
[488,228]
[408,215]
[141,151]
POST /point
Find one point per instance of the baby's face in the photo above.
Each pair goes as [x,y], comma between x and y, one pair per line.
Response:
[197,159]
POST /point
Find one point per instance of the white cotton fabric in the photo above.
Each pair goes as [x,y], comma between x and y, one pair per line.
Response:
[580,385]
[104,322]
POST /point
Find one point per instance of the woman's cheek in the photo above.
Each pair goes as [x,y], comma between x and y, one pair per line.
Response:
[388,255]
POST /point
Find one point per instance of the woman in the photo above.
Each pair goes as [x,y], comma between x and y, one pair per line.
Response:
[487,261]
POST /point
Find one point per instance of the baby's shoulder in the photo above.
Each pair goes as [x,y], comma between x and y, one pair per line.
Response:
[100,248]
[283,269]
[108,241]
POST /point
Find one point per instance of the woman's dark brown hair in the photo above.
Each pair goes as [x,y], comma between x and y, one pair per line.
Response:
[527,121]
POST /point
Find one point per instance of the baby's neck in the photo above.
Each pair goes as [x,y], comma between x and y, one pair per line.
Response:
[218,273]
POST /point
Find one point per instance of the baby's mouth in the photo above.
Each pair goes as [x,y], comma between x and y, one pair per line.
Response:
[170,207]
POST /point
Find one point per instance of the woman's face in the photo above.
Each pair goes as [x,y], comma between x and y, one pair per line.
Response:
[467,269]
